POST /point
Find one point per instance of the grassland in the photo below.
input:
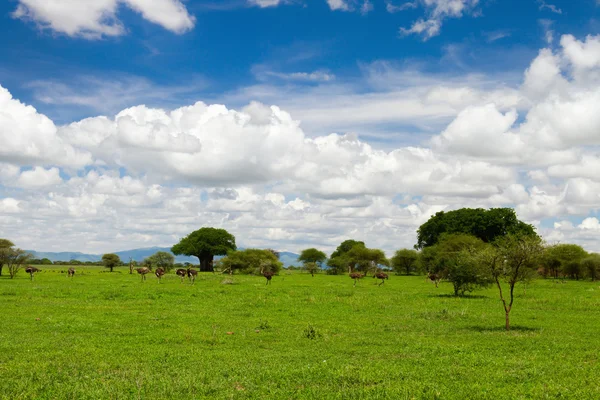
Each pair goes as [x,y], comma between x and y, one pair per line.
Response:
[109,336]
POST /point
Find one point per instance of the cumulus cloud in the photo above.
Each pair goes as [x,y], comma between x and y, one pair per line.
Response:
[39,178]
[97,19]
[437,11]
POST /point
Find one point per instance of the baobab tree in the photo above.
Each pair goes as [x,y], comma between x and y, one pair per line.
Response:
[206,243]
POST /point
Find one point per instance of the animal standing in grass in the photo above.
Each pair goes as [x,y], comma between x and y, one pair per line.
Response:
[192,274]
[182,273]
[71,272]
[381,275]
[143,271]
[159,273]
[434,278]
[356,276]
[268,275]
[32,270]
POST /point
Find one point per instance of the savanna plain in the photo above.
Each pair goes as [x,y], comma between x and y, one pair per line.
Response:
[104,335]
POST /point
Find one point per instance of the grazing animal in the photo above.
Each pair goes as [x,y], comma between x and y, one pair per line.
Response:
[268,275]
[434,278]
[143,271]
[159,273]
[356,276]
[192,274]
[182,273]
[32,270]
[71,272]
[381,275]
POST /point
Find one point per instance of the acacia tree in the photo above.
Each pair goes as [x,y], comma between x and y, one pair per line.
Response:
[110,261]
[15,259]
[312,259]
[161,259]
[591,264]
[338,262]
[206,243]
[405,261]
[564,259]
[250,261]
[510,260]
[5,245]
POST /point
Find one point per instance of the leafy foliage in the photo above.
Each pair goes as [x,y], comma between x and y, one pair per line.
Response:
[15,259]
[564,259]
[312,255]
[591,266]
[205,243]
[486,225]
[161,259]
[405,261]
[110,261]
[250,261]
[5,245]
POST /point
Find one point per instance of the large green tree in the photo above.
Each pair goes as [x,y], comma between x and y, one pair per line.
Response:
[161,259]
[591,265]
[564,259]
[250,261]
[338,262]
[5,245]
[110,261]
[206,243]
[486,225]
[405,261]
[312,259]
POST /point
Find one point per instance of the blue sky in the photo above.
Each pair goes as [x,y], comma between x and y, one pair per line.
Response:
[294,122]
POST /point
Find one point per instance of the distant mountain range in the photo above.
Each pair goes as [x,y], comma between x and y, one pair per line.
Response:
[285,257]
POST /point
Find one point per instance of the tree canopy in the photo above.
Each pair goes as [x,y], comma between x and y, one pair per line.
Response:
[110,261]
[250,261]
[405,261]
[5,245]
[486,225]
[161,259]
[353,256]
[564,259]
[206,243]
[312,255]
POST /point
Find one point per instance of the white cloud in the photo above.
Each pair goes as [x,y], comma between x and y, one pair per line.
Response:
[437,11]
[39,178]
[364,6]
[549,7]
[97,19]
[265,3]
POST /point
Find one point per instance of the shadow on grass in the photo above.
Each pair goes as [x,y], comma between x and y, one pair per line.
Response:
[464,296]
[515,328]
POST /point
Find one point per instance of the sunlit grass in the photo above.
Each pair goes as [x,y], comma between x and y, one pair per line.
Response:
[103,335]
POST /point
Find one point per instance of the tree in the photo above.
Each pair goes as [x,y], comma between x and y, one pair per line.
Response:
[338,262]
[312,259]
[405,261]
[161,259]
[564,259]
[510,260]
[15,259]
[45,261]
[110,261]
[453,263]
[365,260]
[5,244]
[486,225]
[591,265]
[250,261]
[206,243]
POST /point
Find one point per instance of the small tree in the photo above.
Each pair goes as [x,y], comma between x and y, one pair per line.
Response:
[161,259]
[312,259]
[5,245]
[512,259]
[110,261]
[206,243]
[405,261]
[250,261]
[15,259]
[454,264]
[591,265]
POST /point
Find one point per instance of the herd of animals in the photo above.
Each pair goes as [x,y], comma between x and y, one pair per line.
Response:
[191,274]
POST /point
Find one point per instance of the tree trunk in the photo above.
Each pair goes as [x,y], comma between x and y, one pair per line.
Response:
[507,321]
[111,268]
[1,266]
[206,263]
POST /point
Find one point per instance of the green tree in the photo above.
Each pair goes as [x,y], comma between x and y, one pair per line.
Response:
[405,261]
[46,261]
[110,261]
[365,260]
[564,259]
[250,261]
[591,265]
[338,262]
[206,243]
[510,260]
[161,259]
[486,225]
[5,245]
[15,259]
[312,259]
[454,264]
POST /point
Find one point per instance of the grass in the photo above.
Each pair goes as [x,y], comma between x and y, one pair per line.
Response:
[108,336]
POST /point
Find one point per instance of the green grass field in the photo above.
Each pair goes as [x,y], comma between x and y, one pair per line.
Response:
[109,336]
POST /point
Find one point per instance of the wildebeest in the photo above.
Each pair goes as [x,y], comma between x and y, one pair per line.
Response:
[381,275]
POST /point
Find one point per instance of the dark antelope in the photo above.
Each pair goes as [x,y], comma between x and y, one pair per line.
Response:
[32,270]
[192,274]
[71,272]
[159,273]
[434,278]
[356,276]
[143,271]
[381,275]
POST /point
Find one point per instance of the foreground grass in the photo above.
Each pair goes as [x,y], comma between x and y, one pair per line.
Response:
[103,335]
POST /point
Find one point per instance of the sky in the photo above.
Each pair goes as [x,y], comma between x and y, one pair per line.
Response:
[294,123]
